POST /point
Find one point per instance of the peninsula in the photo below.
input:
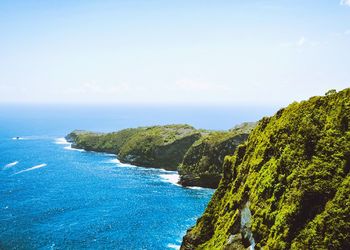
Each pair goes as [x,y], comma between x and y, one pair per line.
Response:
[198,154]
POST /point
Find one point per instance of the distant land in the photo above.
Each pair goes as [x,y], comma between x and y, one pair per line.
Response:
[198,154]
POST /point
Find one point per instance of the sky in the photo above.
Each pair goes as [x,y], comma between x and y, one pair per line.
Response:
[183,52]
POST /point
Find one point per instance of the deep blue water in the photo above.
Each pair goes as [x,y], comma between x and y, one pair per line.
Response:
[69,199]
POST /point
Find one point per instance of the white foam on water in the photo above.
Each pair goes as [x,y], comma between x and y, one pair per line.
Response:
[170,178]
[196,188]
[69,147]
[108,154]
[61,141]
[173,246]
[10,165]
[126,165]
[164,170]
[119,164]
[32,168]
[116,161]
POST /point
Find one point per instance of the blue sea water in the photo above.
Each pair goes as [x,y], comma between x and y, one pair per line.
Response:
[53,197]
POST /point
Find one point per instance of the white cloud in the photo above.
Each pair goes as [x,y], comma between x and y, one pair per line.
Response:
[347,32]
[345,2]
[301,41]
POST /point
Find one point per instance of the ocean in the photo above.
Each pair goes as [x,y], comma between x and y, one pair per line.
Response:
[55,197]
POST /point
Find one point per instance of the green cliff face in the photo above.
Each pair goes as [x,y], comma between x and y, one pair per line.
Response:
[202,164]
[201,152]
[100,142]
[287,186]
[157,146]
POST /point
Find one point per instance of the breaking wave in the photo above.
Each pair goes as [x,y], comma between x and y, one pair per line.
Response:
[62,141]
[170,178]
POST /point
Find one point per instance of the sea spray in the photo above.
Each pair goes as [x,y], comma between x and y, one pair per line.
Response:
[170,178]
[62,141]
[173,246]
[120,164]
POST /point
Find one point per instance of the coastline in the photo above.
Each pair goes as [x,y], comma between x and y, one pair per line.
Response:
[168,176]
[197,154]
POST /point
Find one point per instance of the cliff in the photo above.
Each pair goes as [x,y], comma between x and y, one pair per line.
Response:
[156,146]
[287,186]
[101,142]
[202,164]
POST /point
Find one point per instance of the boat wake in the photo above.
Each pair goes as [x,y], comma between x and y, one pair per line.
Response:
[32,168]
[10,165]
[31,137]
[19,138]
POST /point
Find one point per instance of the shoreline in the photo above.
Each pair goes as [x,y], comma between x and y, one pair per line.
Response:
[172,180]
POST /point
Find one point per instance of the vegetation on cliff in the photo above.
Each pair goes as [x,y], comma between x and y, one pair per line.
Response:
[156,146]
[202,164]
[287,186]
[200,152]
[101,142]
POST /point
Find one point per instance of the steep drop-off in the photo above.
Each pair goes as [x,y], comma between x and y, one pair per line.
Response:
[202,164]
[287,186]
[156,146]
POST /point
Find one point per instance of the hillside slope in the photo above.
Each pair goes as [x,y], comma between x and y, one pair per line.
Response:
[288,186]
[156,146]
[202,164]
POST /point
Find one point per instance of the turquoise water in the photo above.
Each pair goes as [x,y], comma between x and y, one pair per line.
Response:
[53,197]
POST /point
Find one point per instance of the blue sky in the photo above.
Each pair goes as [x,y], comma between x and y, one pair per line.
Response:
[173,52]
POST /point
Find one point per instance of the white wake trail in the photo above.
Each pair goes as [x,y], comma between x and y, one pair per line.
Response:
[10,165]
[32,168]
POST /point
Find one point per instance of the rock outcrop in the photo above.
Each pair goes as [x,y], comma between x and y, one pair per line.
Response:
[202,164]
